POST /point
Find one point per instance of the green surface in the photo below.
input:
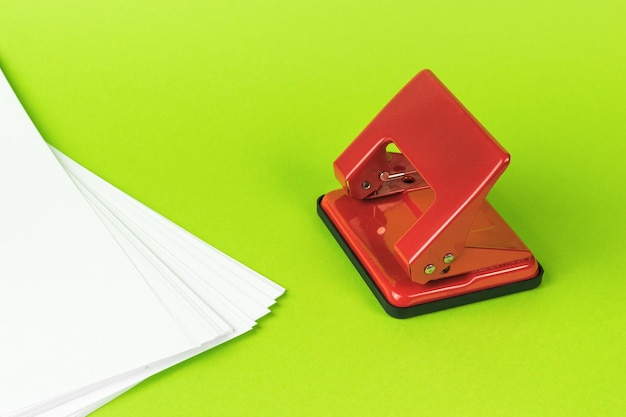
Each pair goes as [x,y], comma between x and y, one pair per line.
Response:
[227,116]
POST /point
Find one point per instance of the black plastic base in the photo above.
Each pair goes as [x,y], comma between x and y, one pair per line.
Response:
[405,312]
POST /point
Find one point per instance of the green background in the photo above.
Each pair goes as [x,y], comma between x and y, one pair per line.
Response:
[226,117]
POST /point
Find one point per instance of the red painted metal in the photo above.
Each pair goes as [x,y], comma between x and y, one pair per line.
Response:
[402,212]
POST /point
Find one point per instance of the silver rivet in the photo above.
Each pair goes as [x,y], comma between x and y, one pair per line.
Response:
[429,269]
[366,185]
[448,258]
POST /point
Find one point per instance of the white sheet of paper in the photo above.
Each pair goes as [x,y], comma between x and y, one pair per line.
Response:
[97,291]
[73,309]
[241,316]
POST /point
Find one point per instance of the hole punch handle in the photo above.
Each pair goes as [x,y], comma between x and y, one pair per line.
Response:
[450,152]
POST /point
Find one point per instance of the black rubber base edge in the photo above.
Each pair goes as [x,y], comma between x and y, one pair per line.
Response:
[416,310]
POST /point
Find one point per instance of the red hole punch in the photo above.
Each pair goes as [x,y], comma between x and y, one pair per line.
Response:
[413,217]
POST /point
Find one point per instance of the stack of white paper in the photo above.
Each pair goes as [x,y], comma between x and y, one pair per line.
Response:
[97,291]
